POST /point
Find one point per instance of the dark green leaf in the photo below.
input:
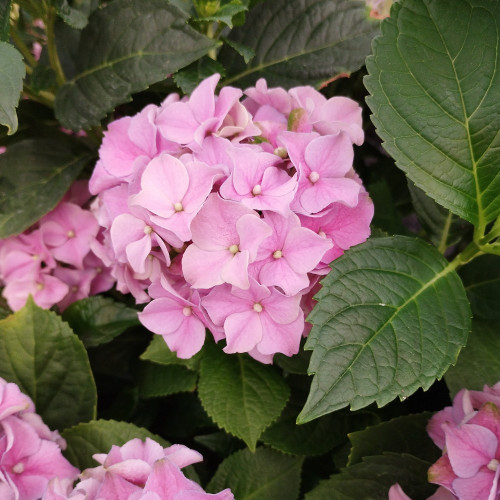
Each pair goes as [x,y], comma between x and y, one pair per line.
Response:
[294,364]
[372,479]
[42,78]
[34,176]
[392,316]
[154,42]
[240,394]
[264,475]
[4,20]
[301,42]
[187,79]
[97,320]
[74,17]
[434,83]
[405,434]
[386,216]
[41,354]
[479,362]
[158,352]
[481,278]
[98,436]
[12,72]
[312,438]
[157,380]
[243,50]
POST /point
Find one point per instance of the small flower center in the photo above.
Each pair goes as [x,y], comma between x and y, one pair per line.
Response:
[234,249]
[98,270]
[257,189]
[70,233]
[493,465]
[74,289]
[278,254]
[178,207]
[18,468]
[281,152]
[187,311]
[314,177]
[148,229]
[257,307]
[322,234]
[35,256]
[39,286]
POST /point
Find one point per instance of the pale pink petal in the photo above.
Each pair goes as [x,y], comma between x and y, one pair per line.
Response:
[182,456]
[478,488]
[202,268]
[243,331]
[315,197]
[397,493]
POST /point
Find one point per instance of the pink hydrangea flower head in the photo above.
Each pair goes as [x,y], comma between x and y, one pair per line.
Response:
[397,493]
[12,400]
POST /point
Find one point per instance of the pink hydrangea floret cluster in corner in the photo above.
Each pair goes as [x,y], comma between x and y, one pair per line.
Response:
[52,261]
[469,435]
[30,454]
[136,471]
[223,211]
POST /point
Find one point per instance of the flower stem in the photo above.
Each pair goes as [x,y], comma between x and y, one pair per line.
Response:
[55,63]
[23,48]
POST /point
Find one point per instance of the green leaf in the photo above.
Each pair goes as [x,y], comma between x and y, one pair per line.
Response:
[240,394]
[434,85]
[406,434]
[264,474]
[97,320]
[74,17]
[5,20]
[481,278]
[98,436]
[187,79]
[301,42]
[442,227]
[392,316]
[372,479]
[42,78]
[157,380]
[226,13]
[313,438]
[158,352]
[12,72]
[34,175]
[41,354]
[154,42]
[479,361]
[243,50]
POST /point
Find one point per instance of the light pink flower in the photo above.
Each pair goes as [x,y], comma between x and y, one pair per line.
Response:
[258,319]
[226,237]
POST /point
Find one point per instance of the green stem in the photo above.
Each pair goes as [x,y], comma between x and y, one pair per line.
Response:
[470,252]
[55,63]
[443,244]
[212,53]
[23,48]
[42,97]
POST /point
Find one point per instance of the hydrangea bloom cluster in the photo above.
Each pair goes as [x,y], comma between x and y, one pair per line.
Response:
[30,454]
[53,260]
[227,211]
[136,471]
[469,435]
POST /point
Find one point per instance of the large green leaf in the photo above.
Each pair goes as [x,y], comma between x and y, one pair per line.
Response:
[479,362]
[162,380]
[392,316]
[301,42]
[34,176]
[434,82]
[40,353]
[263,475]
[12,72]
[372,478]
[84,440]
[98,320]
[126,47]
[240,394]
[406,434]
